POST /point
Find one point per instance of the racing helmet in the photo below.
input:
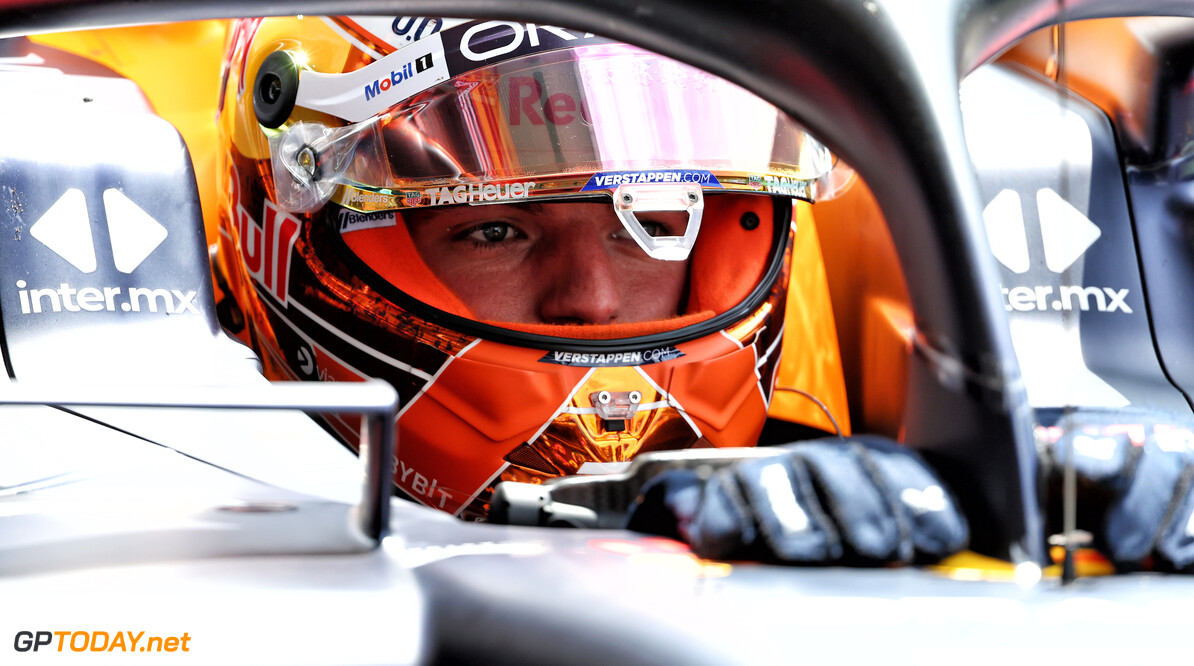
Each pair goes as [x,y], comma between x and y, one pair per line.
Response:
[561,250]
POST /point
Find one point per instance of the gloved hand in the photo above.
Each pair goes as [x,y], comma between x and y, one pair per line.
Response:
[866,500]
[1136,498]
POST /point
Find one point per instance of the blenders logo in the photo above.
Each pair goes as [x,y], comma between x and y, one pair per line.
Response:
[65,228]
[351,220]
[642,357]
[355,197]
[403,73]
[604,181]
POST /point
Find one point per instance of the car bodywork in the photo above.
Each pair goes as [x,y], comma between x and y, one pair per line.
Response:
[221,528]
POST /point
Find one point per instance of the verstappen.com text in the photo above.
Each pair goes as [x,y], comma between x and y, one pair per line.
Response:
[99,641]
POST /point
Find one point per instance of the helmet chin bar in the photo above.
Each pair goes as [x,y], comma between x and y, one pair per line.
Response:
[629,199]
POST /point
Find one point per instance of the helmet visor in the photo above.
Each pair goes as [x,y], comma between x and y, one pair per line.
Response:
[594,191]
[590,110]
[567,122]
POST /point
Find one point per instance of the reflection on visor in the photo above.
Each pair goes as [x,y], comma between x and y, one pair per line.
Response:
[548,124]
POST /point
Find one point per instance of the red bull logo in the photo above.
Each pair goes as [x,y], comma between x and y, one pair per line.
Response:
[527,100]
[266,247]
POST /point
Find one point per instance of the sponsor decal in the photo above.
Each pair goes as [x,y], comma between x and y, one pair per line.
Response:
[381,35]
[1066,235]
[755,182]
[442,52]
[99,641]
[304,358]
[793,187]
[526,102]
[364,93]
[366,201]
[403,73]
[415,482]
[1068,297]
[602,181]
[351,220]
[641,357]
[414,28]
[477,44]
[266,246]
[372,202]
[110,299]
[475,193]
[65,228]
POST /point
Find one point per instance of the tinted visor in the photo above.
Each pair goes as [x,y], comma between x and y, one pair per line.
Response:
[593,109]
[566,122]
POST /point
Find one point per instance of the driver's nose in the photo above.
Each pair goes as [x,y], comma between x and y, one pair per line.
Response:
[581,284]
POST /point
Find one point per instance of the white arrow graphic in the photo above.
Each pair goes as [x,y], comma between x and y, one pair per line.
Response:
[133,232]
[1066,232]
[1004,222]
[66,229]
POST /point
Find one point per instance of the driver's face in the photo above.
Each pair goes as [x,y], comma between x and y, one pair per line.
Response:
[556,263]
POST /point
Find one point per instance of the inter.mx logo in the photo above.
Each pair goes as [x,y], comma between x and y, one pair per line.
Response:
[65,228]
[1066,234]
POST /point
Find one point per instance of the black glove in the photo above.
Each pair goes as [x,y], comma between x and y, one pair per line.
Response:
[1136,498]
[866,500]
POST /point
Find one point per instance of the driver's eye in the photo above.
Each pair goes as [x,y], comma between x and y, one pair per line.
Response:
[490,232]
[655,229]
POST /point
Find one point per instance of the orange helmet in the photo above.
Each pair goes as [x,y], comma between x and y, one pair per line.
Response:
[561,250]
